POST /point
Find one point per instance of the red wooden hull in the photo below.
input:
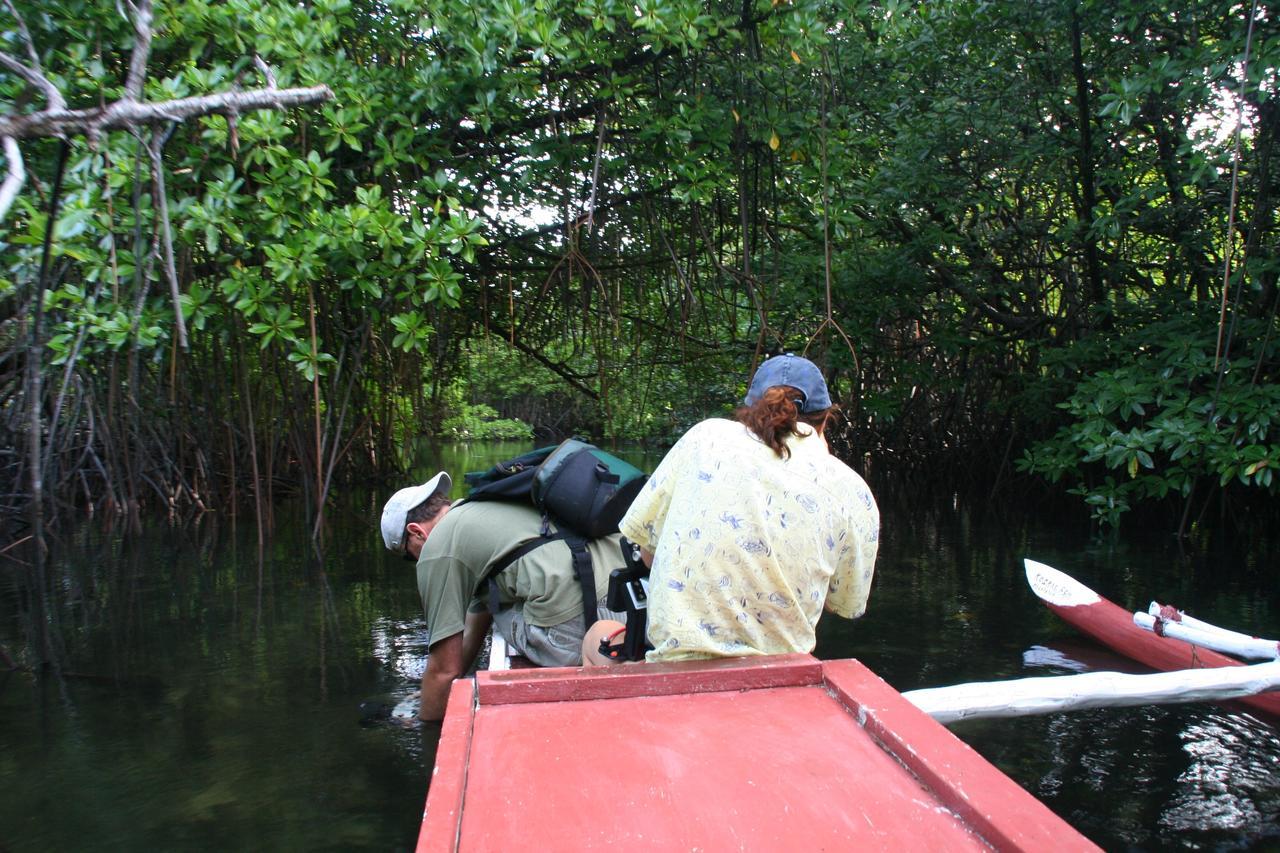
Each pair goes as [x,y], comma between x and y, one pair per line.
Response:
[780,753]
[1113,626]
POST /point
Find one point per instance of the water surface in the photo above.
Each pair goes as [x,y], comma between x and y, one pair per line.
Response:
[207,692]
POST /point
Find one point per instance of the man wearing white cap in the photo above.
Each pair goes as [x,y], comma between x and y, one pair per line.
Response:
[538,597]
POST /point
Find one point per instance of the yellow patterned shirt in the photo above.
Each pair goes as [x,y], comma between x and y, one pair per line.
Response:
[749,548]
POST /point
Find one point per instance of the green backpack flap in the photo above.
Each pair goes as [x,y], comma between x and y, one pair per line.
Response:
[580,487]
[586,488]
[509,480]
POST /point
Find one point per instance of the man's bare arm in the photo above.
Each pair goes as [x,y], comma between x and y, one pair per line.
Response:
[444,664]
[473,635]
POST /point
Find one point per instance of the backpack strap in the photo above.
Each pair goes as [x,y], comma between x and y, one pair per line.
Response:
[582,570]
[504,562]
[586,578]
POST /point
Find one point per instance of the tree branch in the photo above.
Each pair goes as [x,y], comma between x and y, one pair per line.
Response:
[267,73]
[125,113]
[33,73]
[16,178]
[36,80]
[162,210]
[141,18]
[512,338]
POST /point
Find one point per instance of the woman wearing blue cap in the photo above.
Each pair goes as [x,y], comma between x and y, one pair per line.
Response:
[753,528]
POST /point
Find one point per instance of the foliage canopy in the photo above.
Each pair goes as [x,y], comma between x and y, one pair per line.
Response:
[1002,228]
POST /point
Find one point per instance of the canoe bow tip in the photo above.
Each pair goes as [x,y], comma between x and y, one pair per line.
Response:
[1055,587]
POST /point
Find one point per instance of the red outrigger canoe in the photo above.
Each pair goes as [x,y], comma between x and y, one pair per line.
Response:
[777,753]
[1113,626]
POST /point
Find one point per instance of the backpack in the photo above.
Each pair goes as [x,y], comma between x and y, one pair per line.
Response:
[581,489]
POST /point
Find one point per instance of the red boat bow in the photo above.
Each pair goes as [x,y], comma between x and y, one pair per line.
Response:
[1113,626]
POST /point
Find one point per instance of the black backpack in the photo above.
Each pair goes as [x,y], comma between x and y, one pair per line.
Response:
[582,490]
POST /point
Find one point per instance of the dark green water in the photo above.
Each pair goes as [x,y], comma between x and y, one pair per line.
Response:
[207,695]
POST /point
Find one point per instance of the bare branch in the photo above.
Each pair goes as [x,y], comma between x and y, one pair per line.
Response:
[26,36]
[601,125]
[125,113]
[141,18]
[158,138]
[267,73]
[32,72]
[36,80]
[16,178]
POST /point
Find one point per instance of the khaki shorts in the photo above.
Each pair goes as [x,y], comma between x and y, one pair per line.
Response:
[554,645]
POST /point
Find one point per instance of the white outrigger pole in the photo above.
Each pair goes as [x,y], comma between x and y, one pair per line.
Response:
[1057,693]
[1171,622]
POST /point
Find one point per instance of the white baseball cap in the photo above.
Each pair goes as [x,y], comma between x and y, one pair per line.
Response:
[393,514]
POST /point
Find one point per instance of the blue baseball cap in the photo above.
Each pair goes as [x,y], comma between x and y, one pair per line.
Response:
[799,373]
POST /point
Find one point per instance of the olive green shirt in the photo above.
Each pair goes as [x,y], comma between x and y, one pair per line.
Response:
[472,536]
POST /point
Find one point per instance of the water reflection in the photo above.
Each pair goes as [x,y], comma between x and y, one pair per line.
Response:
[1233,764]
[202,693]
[1038,657]
[1184,777]
[1070,655]
[401,647]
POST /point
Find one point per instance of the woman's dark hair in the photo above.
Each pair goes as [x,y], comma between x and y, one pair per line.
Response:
[428,509]
[774,417]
